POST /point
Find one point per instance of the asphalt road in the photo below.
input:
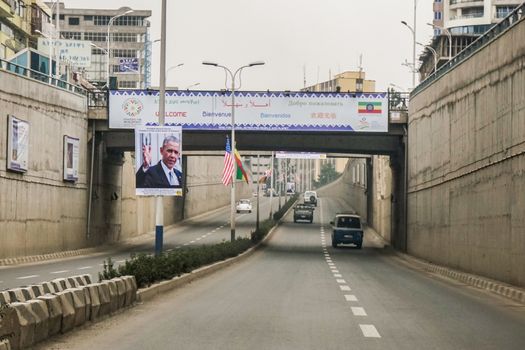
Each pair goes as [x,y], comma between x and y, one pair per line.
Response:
[300,293]
[210,228]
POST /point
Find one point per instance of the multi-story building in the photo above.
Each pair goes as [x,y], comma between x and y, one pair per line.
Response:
[128,43]
[349,81]
[15,26]
[457,23]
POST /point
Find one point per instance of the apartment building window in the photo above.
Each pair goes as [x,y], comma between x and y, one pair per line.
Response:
[88,18]
[134,21]
[95,51]
[124,53]
[7,30]
[73,21]
[101,20]
[2,51]
[71,35]
[474,12]
[125,37]
[93,36]
[503,11]
[437,15]
[61,17]
[127,84]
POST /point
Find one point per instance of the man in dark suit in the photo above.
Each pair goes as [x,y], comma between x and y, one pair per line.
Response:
[163,174]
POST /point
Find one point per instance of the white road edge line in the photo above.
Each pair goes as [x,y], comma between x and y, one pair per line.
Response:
[84,267]
[369,331]
[57,272]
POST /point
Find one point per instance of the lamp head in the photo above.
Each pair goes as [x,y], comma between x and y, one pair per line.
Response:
[257,63]
[207,63]
[404,22]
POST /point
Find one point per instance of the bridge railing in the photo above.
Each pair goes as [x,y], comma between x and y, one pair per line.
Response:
[496,31]
[39,76]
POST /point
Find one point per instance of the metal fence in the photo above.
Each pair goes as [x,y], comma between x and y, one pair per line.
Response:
[496,31]
[36,75]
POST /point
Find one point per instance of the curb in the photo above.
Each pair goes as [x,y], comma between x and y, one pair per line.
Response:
[502,289]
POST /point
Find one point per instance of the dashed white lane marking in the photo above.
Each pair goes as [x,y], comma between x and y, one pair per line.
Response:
[333,268]
[121,261]
[335,271]
[358,311]
[178,247]
[192,241]
[26,277]
[185,243]
[345,288]
[350,297]
[198,239]
[169,250]
[57,272]
[337,275]
[369,331]
[340,280]
[331,264]
[84,267]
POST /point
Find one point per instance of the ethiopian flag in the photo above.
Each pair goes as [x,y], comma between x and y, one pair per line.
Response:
[369,107]
[241,173]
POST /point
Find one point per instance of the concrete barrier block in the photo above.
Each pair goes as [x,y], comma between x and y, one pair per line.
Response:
[131,285]
[121,292]
[72,281]
[86,279]
[24,332]
[28,293]
[68,310]
[9,325]
[55,312]
[79,302]
[113,295]
[16,295]
[49,288]
[95,301]
[39,308]
[105,299]
[58,285]
[4,297]
[37,289]
[87,300]
[5,344]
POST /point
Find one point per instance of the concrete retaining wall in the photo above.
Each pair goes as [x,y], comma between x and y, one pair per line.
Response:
[39,212]
[467,164]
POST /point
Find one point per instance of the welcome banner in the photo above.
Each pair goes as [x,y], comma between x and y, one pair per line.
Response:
[268,111]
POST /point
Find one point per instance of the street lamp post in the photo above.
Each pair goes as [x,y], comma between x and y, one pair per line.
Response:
[434,53]
[413,53]
[233,76]
[108,53]
[449,36]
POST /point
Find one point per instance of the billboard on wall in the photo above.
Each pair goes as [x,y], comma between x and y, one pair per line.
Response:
[17,144]
[268,111]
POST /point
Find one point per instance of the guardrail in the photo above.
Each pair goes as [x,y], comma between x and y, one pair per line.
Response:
[39,76]
[496,31]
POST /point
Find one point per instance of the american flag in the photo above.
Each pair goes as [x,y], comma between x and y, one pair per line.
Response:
[229,162]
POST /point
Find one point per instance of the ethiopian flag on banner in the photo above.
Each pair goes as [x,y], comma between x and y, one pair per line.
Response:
[369,107]
[241,173]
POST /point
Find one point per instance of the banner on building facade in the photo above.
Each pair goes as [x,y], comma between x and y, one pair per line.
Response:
[265,111]
[299,155]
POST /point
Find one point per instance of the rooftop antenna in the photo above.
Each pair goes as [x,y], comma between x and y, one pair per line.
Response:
[360,65]
[304,76]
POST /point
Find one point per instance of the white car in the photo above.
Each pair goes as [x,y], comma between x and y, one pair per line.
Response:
[244,205]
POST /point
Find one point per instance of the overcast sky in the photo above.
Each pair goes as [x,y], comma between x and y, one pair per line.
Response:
[293,37]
